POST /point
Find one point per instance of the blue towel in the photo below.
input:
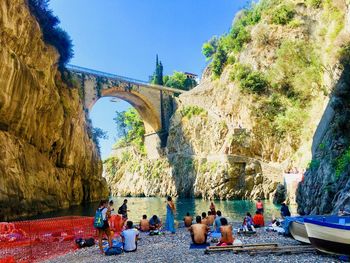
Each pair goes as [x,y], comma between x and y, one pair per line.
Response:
[215,235]
[202,246]
[115,243]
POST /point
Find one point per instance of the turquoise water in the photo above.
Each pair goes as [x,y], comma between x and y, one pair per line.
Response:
[234,209]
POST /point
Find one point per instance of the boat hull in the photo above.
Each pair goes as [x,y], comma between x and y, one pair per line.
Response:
[328,237]
[298,230]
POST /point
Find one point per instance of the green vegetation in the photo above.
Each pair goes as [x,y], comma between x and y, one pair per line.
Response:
[157,77]
[179,81]
[342,163]
[297,71]
[282,14]
[97,134]
[333,18]
[190,111]
[130,129]
[314,3]
[52,33]
[249,80]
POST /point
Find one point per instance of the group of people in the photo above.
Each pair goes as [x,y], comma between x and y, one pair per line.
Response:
[131,234]
[212,221]
[258,219]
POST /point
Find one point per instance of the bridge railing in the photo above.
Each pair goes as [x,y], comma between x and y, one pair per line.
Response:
[98,73]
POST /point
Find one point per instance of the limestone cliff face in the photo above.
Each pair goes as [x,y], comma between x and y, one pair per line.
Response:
[326,187]
[47,160]
[222,145]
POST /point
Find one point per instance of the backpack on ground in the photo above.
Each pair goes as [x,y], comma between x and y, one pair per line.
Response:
[112,251]
[98,220]
[85,242]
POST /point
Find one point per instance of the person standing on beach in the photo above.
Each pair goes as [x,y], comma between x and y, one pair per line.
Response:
[260,206]
[170,211]
[212,208]
[102,209]
[123,210]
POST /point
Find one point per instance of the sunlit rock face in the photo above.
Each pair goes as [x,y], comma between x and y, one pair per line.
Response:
[47,160]
[219,147]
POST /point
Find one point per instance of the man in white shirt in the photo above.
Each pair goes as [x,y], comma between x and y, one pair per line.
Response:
[129,237]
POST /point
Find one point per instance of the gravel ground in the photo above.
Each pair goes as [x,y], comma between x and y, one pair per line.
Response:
[175,248]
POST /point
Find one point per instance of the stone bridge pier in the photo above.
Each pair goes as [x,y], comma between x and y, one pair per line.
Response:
[155,104]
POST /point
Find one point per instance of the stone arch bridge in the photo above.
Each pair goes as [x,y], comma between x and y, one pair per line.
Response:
[154,103]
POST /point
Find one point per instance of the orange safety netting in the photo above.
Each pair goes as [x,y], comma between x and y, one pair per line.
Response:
[36,240]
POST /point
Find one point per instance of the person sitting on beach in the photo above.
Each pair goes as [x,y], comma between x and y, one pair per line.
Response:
[210,218]
[155,223]
[248,220]
[144,224]
[284,210]
[217,221]
[199,232]
[226,233]
[258,219]
[129,237]
[260,206]
[204,218]
[188,220]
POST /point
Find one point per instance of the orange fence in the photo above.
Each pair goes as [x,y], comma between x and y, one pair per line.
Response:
[35,240]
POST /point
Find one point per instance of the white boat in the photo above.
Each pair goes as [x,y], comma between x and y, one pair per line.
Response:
[329,234]
[298,231]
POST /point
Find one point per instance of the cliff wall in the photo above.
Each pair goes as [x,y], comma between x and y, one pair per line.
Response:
[263,107]
[47,159]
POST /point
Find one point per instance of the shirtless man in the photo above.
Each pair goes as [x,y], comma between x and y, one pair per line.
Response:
[188,220]
[226,233]
[199,232]
[204,219]
[210,218]
[144,224]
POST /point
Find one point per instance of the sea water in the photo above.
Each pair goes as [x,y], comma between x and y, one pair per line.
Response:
[235,210]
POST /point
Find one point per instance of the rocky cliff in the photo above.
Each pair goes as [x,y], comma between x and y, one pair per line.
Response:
[258,106]
[47,159]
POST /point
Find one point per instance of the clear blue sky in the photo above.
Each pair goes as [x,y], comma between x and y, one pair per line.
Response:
[124,36]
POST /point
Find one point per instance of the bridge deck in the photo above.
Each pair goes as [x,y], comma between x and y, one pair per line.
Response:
[137,82]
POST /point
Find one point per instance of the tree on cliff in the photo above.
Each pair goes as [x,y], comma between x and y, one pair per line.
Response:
[52,33]
[157,77]
[130,129]
[179,80]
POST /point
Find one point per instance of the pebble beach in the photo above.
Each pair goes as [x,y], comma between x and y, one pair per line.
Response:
[176,248]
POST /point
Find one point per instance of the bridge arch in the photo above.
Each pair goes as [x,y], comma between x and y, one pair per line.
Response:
[142,105]
[154,103]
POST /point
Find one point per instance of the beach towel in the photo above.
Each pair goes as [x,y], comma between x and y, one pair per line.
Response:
[216,235]
[201,246]
[115,243]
